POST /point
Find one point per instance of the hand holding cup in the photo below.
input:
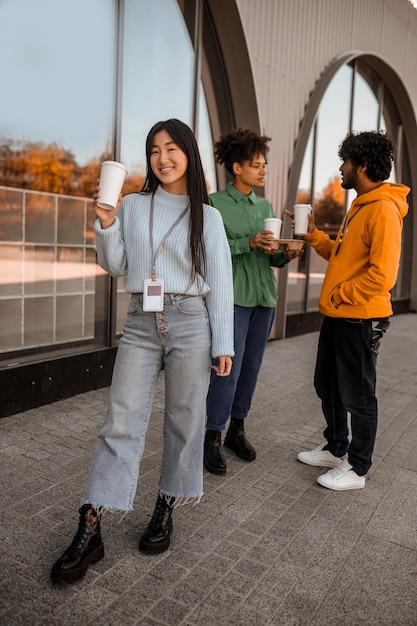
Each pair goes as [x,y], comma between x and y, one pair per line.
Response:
[106,216]
[302,219]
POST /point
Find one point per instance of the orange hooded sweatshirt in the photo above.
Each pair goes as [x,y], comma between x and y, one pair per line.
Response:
[364,267]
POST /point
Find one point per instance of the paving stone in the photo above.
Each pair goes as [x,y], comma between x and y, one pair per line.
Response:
[266,544]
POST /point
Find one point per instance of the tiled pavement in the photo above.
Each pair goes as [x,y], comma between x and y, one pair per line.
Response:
[266,545]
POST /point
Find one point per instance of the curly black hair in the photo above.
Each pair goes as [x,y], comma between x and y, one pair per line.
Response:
[239,145]
[371,148]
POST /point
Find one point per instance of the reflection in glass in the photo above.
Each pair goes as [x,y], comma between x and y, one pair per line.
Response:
[70,270]
[11,272]
[205,143]
[297,270]
[71,216]
[157,74]
[10,326]
[365,106]
[332,126]
[39,270]
[166,92]
[69,318]
[39,318]
[51,149]
[11,214]
[40,218]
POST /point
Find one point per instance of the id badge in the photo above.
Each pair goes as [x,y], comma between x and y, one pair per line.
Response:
[153,295]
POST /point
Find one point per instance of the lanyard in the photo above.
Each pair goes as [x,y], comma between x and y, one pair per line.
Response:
[164,238]
[346,223]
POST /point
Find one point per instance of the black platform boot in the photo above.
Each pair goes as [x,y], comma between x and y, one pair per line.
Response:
[86,547]
[157,536]
[236,440]
[214,460]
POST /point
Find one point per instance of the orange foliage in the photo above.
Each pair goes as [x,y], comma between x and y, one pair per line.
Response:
[52,169]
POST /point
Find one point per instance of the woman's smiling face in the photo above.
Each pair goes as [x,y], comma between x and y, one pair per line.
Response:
[169,163]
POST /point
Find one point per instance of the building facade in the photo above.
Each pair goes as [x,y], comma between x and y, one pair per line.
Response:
[86,81]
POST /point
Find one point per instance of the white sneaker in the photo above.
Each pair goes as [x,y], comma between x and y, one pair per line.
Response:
[319,457]
[341,478]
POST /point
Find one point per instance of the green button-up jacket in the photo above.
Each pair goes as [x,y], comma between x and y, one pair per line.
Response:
[243,216]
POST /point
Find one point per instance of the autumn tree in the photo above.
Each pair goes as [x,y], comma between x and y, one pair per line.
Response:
[50,168]
[329,208]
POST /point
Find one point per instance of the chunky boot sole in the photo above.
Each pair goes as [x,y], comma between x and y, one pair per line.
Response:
[242,455]
[156,547]
[75,573]
[213,469]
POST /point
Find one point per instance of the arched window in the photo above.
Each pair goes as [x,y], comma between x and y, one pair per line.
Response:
[357,98]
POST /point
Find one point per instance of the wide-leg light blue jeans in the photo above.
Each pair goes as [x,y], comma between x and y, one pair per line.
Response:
[178,337]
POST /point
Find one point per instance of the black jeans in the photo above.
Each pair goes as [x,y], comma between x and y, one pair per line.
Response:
[345,381]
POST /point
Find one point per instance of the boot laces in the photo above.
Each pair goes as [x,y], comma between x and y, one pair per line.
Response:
[88,522]
[161,513]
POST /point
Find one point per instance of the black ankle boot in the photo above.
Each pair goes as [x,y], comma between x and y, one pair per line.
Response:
[86,547]
[214,460]
[236,440]
[157,536]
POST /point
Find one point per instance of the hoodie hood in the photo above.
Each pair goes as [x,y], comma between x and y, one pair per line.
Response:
[391,192]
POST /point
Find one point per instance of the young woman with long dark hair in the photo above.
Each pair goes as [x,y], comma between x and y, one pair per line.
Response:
[173,249]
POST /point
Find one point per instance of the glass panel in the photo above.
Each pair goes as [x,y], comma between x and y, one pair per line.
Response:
[40,219]
[63,129]
[333,124]
[70,270]
[69,318]
[317,269]
[205,143]
[11,214]
[365,106]
[39,270]
[89,316]
[167,92]
[39,321]
[10,324]
[71,219]
[297,270]
[52,149]
[11,276]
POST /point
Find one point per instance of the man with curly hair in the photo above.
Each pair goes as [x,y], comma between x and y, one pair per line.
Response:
[355,300]
[254,250]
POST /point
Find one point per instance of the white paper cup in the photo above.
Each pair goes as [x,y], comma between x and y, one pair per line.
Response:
[274,224]
[301,213]
[112,177]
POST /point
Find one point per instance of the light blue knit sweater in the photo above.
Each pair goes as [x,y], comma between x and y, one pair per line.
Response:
[124,249]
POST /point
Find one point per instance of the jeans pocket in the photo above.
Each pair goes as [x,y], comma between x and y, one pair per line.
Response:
[134,306]
[379,327]
[190,305]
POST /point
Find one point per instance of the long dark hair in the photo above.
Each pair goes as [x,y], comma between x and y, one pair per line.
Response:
[184,137]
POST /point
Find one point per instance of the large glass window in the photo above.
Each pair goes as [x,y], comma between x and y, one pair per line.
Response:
[55,126]
[157,85]
[81,87]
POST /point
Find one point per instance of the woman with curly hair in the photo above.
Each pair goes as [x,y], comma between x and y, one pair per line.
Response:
[254,250]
